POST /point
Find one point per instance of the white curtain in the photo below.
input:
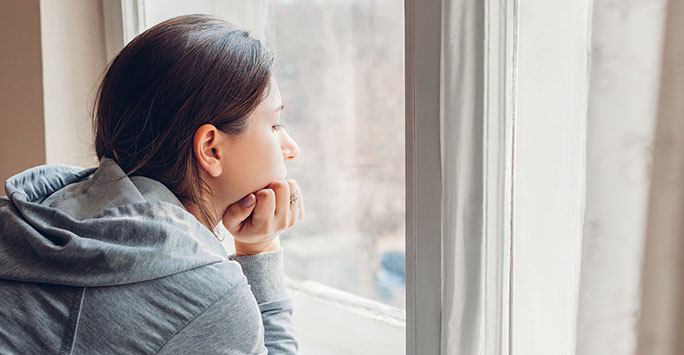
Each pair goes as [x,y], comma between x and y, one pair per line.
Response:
[632,283]
[634,203]
[661,325]
[622,105]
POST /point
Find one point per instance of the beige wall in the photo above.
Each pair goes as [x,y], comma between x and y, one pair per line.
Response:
[73,46]
[22,141]
[52,56]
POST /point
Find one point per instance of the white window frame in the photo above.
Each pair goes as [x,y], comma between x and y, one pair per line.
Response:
[124,19]
[534,88]
[512,323]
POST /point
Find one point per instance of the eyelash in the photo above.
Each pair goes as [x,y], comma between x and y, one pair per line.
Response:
[277,127]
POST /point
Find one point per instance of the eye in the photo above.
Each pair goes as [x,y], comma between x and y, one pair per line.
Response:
[277,127]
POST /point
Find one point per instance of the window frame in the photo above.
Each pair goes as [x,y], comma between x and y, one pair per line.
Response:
[123,20]
[506,232]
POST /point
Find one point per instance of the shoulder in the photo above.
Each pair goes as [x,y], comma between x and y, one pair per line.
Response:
[146,315]
[231,325]
[211,281]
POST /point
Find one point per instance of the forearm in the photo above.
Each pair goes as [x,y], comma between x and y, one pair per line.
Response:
[265,274]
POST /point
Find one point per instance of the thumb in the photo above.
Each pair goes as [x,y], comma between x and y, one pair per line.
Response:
[238,212]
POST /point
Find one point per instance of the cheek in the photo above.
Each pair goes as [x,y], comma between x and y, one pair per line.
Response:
[266,161]
[275,159]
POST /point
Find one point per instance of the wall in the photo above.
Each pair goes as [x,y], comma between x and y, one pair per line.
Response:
[73,49]
[21,92]
[53,53]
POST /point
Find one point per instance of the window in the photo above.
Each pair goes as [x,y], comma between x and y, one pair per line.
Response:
[513,81]
[340,67]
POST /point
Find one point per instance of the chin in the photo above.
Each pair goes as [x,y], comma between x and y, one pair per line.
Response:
[281,176]
[278,174]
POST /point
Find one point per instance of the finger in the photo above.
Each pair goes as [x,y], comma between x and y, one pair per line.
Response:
[300,207]
[294,207]
[263,212]
[236,213]
[282,208]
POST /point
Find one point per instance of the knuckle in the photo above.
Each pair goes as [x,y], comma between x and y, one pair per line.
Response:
[268,193]
[262,194]
[286,185]
[280,184]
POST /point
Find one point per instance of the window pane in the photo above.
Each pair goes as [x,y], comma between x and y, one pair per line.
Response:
[341,74]
[340,68]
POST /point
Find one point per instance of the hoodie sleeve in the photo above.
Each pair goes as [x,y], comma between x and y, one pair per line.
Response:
[231,326]
[265,275]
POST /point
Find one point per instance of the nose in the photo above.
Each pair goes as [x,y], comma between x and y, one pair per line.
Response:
[290,148]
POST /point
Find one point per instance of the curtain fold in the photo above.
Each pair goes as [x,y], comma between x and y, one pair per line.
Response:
[461,143]
[623,99]
[661,323]
[635,183]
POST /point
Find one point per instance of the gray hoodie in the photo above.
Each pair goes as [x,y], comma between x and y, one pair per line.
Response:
[95,262]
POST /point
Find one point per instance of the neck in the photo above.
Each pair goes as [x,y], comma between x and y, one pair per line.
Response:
[195,211]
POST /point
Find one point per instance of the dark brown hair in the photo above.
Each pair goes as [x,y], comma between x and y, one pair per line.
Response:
[166,83]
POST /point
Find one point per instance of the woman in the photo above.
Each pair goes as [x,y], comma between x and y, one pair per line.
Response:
[124,258]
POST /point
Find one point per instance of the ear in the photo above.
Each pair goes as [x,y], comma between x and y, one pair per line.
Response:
[207,150]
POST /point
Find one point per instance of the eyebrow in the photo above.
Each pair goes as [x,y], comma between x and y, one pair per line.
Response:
[281,107]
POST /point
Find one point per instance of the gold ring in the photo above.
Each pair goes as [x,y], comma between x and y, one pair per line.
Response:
[294,197]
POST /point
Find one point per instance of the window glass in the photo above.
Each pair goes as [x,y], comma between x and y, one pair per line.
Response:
[340,68]
[341,73]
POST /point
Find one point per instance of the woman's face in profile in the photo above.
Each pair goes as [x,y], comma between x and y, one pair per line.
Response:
[257,158]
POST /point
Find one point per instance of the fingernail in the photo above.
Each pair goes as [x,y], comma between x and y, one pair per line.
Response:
[247,201]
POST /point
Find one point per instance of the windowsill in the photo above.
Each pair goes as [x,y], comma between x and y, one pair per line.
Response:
[344,300]
[334,322]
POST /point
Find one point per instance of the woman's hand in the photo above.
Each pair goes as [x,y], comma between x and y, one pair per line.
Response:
[257,219]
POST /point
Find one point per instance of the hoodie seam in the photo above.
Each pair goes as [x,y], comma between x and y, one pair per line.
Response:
[228,293]
[69,338]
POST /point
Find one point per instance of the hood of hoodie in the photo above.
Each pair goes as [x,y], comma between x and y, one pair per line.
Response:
[97,227]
